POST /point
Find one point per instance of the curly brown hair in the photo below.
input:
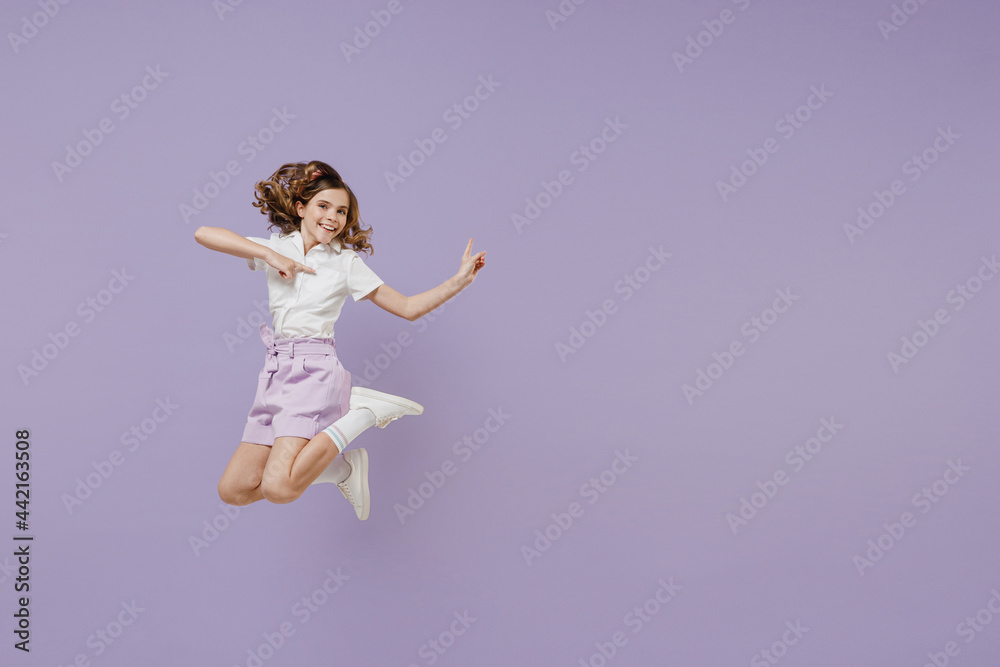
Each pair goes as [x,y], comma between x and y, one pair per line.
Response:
[300,182]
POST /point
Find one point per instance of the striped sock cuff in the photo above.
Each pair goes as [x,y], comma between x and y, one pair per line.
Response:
[337,436]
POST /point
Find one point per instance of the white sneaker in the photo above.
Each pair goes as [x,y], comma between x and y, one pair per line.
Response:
[355,487]
[385,406]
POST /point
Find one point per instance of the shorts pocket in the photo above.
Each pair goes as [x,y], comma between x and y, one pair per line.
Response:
[312,394]
[318,366]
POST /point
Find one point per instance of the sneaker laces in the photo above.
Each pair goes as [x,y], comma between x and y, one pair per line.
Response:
[346,490]
[345,487]
[384,421]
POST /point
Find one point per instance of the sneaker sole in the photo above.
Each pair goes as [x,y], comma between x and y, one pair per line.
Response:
[388,398]
[365,497]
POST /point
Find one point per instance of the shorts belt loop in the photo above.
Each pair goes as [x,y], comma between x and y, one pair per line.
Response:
[267,335]
[291,350]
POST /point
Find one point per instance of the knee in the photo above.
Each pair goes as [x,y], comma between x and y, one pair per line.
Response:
[278,491]
[230,494]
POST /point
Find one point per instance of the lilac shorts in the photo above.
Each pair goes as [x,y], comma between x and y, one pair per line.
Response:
[302,389]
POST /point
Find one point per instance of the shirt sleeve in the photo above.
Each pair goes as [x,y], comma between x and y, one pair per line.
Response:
[255,263]
[360,279]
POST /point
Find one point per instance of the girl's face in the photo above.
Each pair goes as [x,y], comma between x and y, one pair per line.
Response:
[325,216]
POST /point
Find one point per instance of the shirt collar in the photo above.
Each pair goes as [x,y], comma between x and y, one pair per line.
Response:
[333,246]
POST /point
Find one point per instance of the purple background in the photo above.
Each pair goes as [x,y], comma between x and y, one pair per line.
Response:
[164,336]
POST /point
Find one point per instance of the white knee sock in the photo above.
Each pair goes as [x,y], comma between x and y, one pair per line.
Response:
[350,426]
[336,472]
[342,431]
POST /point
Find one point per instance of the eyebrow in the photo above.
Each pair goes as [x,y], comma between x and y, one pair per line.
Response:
[323,201]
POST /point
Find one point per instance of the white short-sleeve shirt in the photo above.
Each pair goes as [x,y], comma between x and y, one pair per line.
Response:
[309,305]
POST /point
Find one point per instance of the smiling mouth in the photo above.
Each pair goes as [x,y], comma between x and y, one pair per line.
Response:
[327,228]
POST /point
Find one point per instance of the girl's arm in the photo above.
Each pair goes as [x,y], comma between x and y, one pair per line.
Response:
[414,307]
[229,242]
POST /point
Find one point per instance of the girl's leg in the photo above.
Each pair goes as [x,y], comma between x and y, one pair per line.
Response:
[368,408]
[293,464]
[240,483]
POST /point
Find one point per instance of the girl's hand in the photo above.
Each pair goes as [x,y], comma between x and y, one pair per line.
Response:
[470,265]
[285,266]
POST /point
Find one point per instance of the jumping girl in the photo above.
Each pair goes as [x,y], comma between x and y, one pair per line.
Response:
[305,412]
